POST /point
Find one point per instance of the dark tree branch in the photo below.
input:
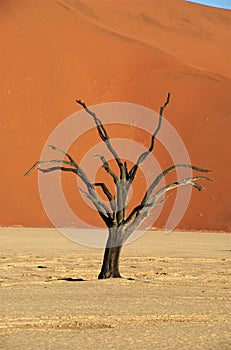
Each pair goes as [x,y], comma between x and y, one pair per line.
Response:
[103,134]
[102,131]
[99,206]
[108,194]
[162,200]
[143,210]
[169,170]
[77,170]
[105,190]
[80,171]
[135,212]
[48,170]
[148,193]
[36,165]
[92,195]
[126,171]
[138,208]
[107,168]
[187,181]
[144,155]
[54,148]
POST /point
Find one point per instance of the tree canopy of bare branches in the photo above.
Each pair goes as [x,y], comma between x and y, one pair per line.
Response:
[121,224]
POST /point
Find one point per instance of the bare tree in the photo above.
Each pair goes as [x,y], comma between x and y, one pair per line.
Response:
[120,224]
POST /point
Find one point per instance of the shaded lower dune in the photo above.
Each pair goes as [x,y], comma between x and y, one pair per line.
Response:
[56,51]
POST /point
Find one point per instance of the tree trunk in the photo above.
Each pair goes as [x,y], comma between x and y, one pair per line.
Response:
[110,266]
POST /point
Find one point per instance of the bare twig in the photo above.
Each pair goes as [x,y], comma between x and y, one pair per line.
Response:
[36,165]
[54,148]
[144,155]
[107,168]
[54,168]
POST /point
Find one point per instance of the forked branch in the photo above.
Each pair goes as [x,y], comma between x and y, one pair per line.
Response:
[105,190]
[108,194]
[102,208]
[103,135]
[143,210]
[146,199]
[167,171]
[107,168]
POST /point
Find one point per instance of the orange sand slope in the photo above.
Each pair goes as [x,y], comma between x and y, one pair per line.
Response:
[53,52]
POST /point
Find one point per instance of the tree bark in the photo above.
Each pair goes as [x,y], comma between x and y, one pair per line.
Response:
[110,266]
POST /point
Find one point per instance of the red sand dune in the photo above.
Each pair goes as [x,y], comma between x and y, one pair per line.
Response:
[55,51]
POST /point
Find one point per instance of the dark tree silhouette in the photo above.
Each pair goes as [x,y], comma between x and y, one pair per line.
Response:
[120,225]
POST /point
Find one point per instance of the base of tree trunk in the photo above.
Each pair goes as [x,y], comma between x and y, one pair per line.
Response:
[103,275]
[110,267]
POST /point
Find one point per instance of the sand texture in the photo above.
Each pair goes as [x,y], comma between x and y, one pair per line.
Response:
[178,296]
[56,51]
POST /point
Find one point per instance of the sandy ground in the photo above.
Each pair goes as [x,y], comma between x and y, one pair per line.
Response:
[178,296]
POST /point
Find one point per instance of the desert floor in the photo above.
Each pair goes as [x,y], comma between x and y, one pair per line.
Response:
[178,296]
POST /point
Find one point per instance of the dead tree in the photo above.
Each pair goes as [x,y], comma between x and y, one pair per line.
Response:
[120,224]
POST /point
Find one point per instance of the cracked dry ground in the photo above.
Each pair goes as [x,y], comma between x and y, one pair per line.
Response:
[175,294]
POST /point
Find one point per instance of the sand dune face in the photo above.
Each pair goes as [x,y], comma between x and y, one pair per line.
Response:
[56,51]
